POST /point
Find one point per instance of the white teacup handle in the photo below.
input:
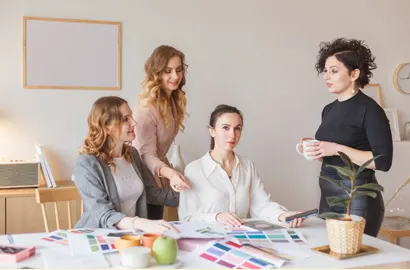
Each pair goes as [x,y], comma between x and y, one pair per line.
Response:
[297,148]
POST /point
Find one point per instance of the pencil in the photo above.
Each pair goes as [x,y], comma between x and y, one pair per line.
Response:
[10,238]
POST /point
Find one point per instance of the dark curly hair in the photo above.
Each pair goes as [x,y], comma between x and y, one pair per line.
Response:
[353,53]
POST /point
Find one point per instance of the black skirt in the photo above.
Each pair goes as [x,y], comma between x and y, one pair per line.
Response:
[371,209]
[155,212]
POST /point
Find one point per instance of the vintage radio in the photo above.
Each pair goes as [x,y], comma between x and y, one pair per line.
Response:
[20,174]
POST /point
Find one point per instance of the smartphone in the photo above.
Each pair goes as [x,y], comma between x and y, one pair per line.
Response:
[305,214]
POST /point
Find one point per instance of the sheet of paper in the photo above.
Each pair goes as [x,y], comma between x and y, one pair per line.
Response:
[57,260]
[262,225]
[198,230]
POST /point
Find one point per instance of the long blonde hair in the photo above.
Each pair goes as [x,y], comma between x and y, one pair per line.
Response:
[152,94]
[104,119]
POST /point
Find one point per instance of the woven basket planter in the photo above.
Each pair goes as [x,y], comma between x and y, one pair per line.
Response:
[345,237]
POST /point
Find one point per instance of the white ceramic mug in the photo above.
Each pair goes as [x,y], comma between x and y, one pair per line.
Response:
[135,257]
[304,143]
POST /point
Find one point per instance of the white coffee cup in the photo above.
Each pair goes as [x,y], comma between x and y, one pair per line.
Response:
[135,257]
[304,143]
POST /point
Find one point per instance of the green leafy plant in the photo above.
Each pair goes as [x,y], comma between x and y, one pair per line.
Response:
[349,172]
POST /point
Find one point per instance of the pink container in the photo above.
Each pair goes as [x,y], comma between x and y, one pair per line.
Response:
[15,253]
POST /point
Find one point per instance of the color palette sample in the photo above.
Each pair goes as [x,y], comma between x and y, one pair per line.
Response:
[260,238]
[57,237]
[230,255]
[60,236]
[88,243]
[80,231]
[296,237]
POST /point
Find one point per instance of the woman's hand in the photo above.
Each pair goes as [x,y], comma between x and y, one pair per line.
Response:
[178,182]
[294,223]
[301,143]
[153,226]
[229,218]
[176,179]
[321,149]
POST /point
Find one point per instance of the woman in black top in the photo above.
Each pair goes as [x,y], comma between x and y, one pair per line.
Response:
[353,124]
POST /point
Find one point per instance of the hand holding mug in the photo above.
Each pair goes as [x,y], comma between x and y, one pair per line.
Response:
[321,149]
[305,148]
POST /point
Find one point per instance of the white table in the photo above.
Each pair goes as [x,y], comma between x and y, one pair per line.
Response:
[313,230]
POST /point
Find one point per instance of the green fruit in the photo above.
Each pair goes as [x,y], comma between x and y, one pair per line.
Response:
[165,250]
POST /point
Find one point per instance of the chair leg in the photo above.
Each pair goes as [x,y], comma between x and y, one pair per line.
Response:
[69,215]
[170,213]
[57,216]
[43,209]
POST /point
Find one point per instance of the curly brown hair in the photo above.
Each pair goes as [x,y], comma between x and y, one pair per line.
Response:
[104,119]
[152,94]
[353,53]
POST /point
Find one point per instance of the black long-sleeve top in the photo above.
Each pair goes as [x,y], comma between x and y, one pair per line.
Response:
[359,123]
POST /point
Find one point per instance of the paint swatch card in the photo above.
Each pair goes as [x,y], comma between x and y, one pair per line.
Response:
[82,231]
[266,239]
[60,236]
[80,244]
[231,255]
[296,236]
[57,237]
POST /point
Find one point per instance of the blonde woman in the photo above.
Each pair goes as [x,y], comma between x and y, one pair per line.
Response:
[159,113]
[113,182]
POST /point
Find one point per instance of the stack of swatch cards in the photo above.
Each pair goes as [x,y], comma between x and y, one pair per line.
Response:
[257,244]
[229,254]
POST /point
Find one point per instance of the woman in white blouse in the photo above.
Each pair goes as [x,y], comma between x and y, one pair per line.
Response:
[225,186]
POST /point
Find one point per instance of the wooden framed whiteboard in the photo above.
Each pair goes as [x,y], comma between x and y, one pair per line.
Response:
[71,54]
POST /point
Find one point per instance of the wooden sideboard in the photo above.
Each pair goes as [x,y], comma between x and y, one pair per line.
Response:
[20,213]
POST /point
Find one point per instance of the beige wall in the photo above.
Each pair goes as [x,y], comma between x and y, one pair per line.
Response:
[256,55]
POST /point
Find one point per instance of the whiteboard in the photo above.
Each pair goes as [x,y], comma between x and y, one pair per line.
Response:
[71,54]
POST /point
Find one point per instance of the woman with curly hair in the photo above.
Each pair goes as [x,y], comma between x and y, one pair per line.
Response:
[353,124]
[113,182]
[159,113]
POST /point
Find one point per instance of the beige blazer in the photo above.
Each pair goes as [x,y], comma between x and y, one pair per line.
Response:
[153,139]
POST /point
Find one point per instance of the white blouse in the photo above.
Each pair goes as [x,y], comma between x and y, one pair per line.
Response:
[213,192]
[129,186]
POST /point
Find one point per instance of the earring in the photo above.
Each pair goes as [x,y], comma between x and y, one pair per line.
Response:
[353,90]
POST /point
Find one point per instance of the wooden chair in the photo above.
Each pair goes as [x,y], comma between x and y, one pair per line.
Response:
[170,213]
[54,195]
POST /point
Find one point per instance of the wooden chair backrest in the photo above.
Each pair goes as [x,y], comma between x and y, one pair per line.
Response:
[54,195]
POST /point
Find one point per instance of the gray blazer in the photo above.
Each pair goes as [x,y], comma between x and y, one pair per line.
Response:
[95,182]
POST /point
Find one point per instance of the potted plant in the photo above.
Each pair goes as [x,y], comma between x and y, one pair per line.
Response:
[345,231]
